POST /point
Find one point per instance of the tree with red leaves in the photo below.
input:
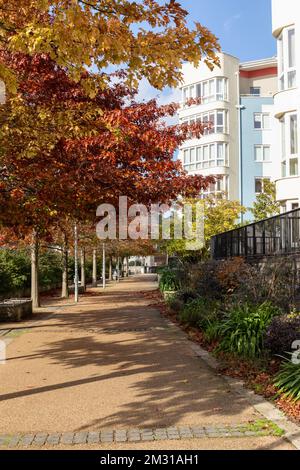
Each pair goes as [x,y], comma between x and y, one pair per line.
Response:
[63,153]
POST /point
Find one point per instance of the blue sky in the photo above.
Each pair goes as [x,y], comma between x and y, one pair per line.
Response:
[243,26]
[244,29]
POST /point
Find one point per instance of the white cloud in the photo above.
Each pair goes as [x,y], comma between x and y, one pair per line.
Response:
[230,21]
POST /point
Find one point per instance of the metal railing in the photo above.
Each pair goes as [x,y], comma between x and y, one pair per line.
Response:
[278,235]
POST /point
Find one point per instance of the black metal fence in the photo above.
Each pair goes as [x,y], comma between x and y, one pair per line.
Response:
[279,235]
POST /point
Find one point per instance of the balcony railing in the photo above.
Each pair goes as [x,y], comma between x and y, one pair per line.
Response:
[278,235]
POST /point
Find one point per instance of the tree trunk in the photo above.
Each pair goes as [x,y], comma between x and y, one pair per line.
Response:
[127,266]
[82,263]
[35,271]
[94,268]
[110,269]
[65,257]
[118,269]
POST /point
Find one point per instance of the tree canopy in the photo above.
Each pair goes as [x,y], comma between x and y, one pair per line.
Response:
[147,38]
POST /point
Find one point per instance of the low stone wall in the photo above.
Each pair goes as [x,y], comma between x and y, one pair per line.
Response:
[15,309]
[26,292]
[81,290]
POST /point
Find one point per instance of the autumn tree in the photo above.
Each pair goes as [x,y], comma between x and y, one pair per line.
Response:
[148,38]
[63,152]
[219,215]
[265,204]
[61,134]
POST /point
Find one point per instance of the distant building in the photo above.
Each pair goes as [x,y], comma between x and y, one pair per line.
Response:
[236,99]
[258,84]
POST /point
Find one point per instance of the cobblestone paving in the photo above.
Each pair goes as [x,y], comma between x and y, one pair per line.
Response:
[109,436]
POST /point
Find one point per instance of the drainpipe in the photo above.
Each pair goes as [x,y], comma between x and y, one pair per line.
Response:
[239,108]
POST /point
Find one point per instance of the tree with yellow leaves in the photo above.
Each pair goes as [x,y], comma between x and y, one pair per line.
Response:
[146,38]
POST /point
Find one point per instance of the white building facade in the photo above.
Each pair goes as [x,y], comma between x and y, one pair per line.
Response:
[286,30]
[211,154]
[237,102]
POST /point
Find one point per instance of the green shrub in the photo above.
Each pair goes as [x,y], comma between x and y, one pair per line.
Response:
[211,330]
[198,311]
[15,270]
[187,294]
[244,327]
[288,380]
[50,268]
[175,303]
[169,281]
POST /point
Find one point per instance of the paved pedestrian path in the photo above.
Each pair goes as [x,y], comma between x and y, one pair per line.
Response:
[112,372]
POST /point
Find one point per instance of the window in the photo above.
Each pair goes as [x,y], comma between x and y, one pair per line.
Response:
[221,92]
[294,134]
[209,90]
[262,153]
[214,122]
[186,157]
[261,121]
[287,58]
[219,188]
[259,185]
[289,145]
[255,90]
[206,156]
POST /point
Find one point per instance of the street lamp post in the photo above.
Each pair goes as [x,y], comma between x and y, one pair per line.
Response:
[76,279]
[103,266]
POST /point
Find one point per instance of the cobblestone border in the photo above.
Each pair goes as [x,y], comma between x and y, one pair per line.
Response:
[108,436]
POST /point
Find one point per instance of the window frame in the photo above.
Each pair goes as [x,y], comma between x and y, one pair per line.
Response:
[288,158]
[286,70]
[261,180]
[208,90]
[263,148]
[262,116]
[255,88]
[206,156]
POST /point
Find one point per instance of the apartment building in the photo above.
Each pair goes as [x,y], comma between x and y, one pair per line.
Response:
[236,100]
[217,152]
[286,30]
[258,84]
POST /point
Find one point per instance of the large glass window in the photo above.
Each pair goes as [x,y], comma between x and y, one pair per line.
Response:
[287,58]
[218,189]
[214,122]
[294,134]
[289,145]
[206,156]
[209,90]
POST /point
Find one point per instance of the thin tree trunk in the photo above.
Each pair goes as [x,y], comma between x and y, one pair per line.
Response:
[110,269]
[65,257]
[103,267]
[82,279]
[94,268]
[118,269]
[35,271]
[127,267]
